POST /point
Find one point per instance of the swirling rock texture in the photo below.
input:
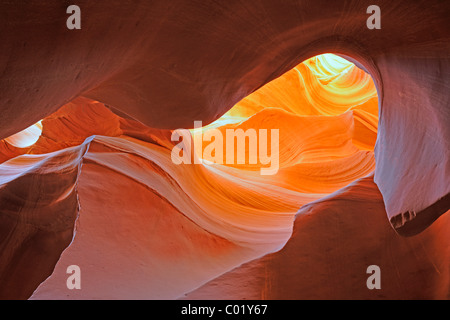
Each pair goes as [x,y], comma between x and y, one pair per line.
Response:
[90,182]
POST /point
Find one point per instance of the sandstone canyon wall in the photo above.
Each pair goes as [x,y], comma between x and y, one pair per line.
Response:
[98,189]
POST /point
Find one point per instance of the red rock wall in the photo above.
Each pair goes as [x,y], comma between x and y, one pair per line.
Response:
[213,55]
[168,63]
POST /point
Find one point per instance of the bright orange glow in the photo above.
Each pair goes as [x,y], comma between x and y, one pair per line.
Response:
[323,85]
[326,109]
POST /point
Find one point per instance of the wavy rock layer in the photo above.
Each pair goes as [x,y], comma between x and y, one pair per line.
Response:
[334,240]
[165,64]
[39,206]
[213,55]
[179,226]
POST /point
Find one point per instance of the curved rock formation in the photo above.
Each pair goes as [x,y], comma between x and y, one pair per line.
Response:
[109,94]
[214,55]
[332,265]
[39,208]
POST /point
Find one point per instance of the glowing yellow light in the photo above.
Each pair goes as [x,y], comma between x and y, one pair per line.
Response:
[27,137]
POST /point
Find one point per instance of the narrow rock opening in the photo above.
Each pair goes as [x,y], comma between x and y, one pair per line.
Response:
[27,137]
[326,112]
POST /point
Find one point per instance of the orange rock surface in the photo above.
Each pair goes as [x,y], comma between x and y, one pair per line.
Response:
[86,175]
